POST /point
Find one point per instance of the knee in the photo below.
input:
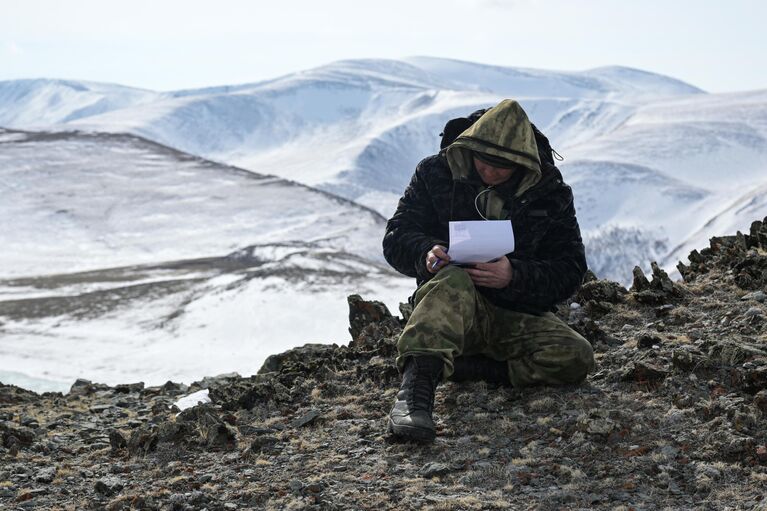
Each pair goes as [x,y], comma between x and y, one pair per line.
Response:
[581,360]
[454,277]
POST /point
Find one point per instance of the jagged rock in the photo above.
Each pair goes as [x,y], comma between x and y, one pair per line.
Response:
[369,322]
[660,290]
[597,423]
[434,469]
[127,388]
[648,340]
[757,296]
[640,281]
[305,419]
[601,291]
[760,400]
[12,434]
[117,441]
[11,395]
[142,441]
[297,357]
[201,423]
[45,475]
[173,388]
[108,486]
[642,372]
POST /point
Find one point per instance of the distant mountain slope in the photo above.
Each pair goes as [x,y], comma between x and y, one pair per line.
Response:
[29,104]
[685,169]
[357,128]
[117,199]
[137,261]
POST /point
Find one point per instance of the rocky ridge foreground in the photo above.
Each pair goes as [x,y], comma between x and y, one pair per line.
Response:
[674,418]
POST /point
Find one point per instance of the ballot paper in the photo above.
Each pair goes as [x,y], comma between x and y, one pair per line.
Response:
[480,241]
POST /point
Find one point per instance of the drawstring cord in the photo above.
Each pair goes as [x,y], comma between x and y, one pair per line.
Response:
[557,156]
[477,198]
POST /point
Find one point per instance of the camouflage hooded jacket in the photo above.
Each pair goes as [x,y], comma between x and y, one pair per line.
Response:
[548,262]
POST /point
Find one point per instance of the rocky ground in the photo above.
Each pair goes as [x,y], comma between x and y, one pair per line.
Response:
[673,418]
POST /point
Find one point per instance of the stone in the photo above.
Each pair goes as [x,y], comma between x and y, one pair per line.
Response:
[45,475]
[648,340]
[12,434]
[127,388]
[81,387]
[640,282]
[305,419]
[434,469]
[108,486]
[117,441]
[757,296]
[642,372]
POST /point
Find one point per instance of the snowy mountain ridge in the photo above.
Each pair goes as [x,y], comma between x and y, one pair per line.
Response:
[356,128]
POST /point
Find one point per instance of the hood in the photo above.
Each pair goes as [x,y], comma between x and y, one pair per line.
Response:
[504,131]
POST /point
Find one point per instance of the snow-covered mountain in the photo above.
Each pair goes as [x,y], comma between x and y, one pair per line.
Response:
[357,128]
[657,166]
[127,260]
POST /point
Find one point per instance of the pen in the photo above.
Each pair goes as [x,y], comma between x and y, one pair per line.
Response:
[435,263]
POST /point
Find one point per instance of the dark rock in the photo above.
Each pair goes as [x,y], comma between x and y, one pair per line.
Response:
[263,443]
[173,388]
[203,424]
[640,282]
[12,395]
[29,422]
[142,441]
[689,358]
[83,387]
[648,340]
[12,434]
[117,441]
[757,296]
[100,408]
[601,291]
[363,314]
[306,418]
[296,357]
[46,475]
[108,486]
[642,372]
[127,388]
[760,400]
[434,469]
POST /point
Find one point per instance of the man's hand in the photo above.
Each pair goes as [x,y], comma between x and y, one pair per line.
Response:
[437,258]
[496,274]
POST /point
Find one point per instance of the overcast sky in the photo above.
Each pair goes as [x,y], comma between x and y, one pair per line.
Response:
[171,44]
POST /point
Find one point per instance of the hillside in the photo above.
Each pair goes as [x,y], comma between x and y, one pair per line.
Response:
[673,418]
[125,259]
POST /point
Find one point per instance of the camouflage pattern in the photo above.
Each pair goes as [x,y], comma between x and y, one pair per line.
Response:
[504,131]
[452,318]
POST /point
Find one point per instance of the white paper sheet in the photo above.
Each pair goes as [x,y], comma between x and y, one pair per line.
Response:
[480,241]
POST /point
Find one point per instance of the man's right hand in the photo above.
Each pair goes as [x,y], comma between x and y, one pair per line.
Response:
[436,258]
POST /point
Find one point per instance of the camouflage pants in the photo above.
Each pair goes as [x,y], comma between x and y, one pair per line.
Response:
[452,318]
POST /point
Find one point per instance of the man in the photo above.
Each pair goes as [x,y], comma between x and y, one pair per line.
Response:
[492,320]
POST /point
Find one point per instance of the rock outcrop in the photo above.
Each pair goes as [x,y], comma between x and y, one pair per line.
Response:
[674,417]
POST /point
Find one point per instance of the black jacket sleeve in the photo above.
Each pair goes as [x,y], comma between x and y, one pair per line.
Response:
[410,233]
[556,270]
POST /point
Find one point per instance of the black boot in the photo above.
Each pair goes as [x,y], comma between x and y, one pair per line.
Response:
[480,367]
[411,415]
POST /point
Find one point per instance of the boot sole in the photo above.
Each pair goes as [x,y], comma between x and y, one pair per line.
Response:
[412,433]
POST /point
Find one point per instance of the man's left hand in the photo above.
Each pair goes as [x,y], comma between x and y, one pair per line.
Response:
[496,274]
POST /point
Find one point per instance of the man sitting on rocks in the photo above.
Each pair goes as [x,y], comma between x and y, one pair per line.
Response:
[491,321]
